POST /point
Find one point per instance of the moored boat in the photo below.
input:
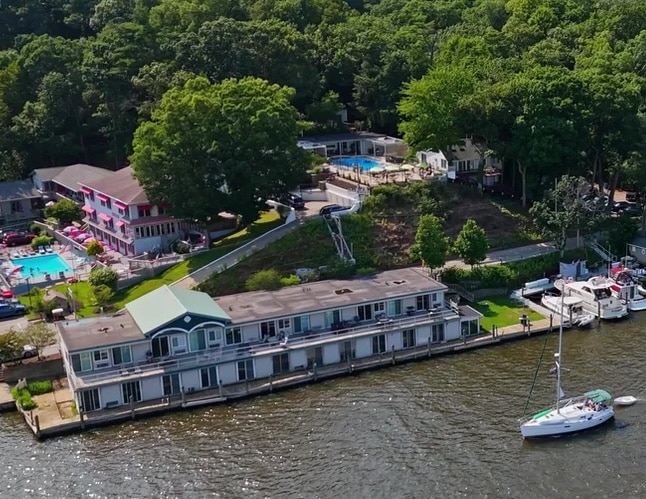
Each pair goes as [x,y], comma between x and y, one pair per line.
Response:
[625,288]
[570,308]
[596,296]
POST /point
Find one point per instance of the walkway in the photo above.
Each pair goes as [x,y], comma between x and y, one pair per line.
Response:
[515,254]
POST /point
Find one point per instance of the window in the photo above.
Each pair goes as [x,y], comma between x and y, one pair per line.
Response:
[121,211]
[209,377]
[378,344]
[197,340]
[437,333]
[434,297]
[283,324]
[178,343]
[333,317]
[408,338]
[121,355]
[214,338]
[365,312]
[245,370]
[314,356]
[423,302]
[81,362]
[395,307]
[171,384]
[131,392]
[161,347]
[89,400]
[301,324]
[143,212]
[267,329]
[161,210]
[233,336]
[347,351]
[281,363]
[101,359]
[379,307]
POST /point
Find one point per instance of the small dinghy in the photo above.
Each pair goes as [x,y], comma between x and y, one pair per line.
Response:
[625,400]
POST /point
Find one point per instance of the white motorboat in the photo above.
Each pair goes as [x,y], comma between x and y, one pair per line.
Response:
[625,400]
[596,296]
[569,415]
[626,289]
[570,308]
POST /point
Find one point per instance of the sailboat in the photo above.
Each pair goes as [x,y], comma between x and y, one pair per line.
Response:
[569,415]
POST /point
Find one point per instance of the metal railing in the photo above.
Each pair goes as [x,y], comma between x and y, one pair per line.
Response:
[248,350]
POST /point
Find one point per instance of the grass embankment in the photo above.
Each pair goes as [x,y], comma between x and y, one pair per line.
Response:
[24,395]
[503,311]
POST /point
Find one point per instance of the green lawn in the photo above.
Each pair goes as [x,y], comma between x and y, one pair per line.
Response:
[502,311]
[266,222]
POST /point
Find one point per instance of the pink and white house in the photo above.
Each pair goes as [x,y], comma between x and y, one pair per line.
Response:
[119,214]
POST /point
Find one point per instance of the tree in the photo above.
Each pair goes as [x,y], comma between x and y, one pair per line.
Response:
[264,279]
[471,243]
[38,334]
[65,211]
[102,295]
[431,245]
[623,231]
[94,248]
[43,240]
[11,345]
[103,276]
[233,145]
[563,210]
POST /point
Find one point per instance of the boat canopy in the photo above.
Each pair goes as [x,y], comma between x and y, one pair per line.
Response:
[599,396]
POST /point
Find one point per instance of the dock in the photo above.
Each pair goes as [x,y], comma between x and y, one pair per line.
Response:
[56,413]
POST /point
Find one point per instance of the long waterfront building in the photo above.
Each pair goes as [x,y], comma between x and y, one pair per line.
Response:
[174,340]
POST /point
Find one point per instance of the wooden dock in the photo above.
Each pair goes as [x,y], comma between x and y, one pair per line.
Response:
[53,417]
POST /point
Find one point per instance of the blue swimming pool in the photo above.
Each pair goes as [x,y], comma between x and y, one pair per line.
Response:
[38,265]
[363,162]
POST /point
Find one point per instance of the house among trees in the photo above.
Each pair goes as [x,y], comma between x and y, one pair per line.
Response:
[355,144]
[20,202]
[62,182]
[460,163]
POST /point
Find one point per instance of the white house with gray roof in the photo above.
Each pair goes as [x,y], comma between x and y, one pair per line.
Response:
[20,202]
[175,341]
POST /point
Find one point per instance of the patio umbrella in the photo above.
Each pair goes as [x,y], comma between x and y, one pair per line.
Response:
[377,169]
[88,241]
[69,228]
[82,237]
[50,203]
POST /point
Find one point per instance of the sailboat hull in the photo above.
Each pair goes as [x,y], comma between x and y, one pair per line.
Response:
[551,424]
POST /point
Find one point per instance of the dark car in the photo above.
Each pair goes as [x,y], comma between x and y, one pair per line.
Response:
[331,208]
[620,206]
[17,238]
[632,210]
[296,202]
[7,310]
[631,197]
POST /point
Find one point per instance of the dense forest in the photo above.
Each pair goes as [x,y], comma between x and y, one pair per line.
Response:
[551,86]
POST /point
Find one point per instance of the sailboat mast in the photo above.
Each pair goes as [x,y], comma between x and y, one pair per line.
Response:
[558,359]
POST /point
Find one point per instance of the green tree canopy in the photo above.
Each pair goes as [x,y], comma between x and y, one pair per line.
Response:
[431,245]
[65,211]
[226,147]
[471,243]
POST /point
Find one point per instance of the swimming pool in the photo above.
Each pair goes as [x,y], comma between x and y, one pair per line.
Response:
[363,162]
[38,265]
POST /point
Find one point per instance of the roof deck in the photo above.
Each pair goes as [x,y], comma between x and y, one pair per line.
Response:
[327,295]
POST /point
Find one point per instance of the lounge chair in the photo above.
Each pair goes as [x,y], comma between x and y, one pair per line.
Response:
[48,249]
[41,250]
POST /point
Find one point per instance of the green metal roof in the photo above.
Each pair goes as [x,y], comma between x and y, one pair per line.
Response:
[599,396]
[165,305]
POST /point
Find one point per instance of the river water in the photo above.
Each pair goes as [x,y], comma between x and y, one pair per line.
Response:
[446,427]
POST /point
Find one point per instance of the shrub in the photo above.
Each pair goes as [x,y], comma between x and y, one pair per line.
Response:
[102,295]
[340,270]
[40,387]
[103,276]
[264,279]
[65,211]
[180,247]
[43,240]
[23,397]
[35,229]
[291,280]
[365,271]
[94,248]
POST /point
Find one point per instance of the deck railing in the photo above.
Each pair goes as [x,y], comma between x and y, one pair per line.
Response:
[251,349]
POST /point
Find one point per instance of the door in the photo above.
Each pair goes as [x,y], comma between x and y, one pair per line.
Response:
[365,312]
[161,347]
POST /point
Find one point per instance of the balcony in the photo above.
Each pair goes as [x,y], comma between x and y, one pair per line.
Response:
[231,353]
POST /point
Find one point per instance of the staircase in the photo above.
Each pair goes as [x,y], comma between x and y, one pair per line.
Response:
[604,253]
[461,291]
[336,231]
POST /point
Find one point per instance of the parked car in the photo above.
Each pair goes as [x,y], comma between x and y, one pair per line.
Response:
[7,311]
[620,206]
[632,210]
[331,208]
[28,351]
[631,197]
[293,200]
[17,238]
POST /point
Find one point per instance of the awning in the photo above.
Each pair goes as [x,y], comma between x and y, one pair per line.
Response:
[102,197]
[85,190]
[121,205]
[88,209]
[144,207]
[120,223]
[104,217]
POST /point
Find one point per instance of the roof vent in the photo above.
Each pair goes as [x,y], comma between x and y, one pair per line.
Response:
[245,306]
[342,291]
[104,329]
[398,282]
